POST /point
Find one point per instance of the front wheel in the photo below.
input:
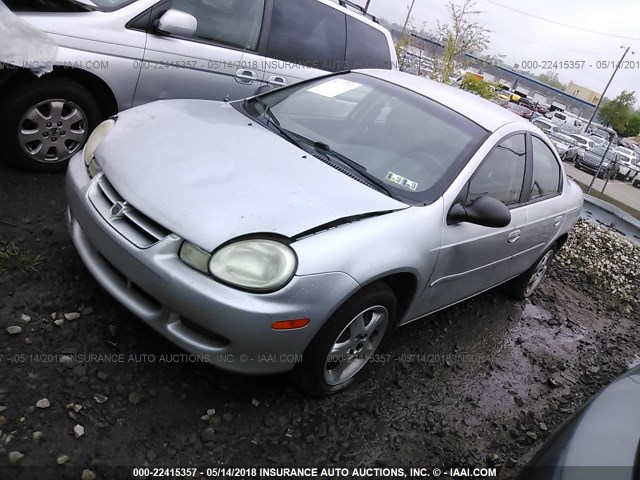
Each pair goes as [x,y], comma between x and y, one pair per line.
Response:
[524,285]
[45,122]
[348,340]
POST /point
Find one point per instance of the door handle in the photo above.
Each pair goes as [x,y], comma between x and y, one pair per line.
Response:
[557,222]
[246,77]
[277,81]
[514,236]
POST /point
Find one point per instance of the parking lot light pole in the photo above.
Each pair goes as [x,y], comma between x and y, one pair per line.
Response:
[366,7]
[608,83]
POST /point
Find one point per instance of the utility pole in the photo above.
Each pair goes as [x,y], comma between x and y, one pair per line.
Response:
[408,17]
[593,115]
[404,27]
[366,7]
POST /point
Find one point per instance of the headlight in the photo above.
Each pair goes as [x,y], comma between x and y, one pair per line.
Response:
[254,264]
[259,265]
[90,147]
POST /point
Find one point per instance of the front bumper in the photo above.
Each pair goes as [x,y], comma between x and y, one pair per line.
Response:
[221,325]
[591,167]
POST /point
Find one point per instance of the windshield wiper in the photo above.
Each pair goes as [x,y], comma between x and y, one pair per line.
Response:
[325,149]
[273,120]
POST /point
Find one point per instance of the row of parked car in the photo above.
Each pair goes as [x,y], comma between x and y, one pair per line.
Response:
[592,152]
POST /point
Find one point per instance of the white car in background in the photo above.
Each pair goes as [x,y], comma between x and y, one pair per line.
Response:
[627,152]
[584,141]
[629,168]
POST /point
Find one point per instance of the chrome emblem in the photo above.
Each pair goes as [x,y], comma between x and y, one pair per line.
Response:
[118,209]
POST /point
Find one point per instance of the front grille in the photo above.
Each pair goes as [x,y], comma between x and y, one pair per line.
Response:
[129,222]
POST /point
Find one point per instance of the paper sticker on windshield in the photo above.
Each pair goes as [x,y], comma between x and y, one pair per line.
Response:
[403,182]
[334,87]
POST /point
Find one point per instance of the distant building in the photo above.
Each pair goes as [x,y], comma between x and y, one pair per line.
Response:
[582,92]
[424,54]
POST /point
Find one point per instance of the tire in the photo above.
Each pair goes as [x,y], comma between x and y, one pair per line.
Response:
[65,113]
[318,375]
[524,285]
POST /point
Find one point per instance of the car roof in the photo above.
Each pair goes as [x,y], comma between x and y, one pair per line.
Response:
[545,120]
[486,114]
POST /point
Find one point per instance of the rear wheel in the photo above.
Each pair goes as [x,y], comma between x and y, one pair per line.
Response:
[524,285]
[45,122]
[343,347]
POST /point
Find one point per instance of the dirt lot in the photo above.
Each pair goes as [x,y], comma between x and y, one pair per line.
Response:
[493,379]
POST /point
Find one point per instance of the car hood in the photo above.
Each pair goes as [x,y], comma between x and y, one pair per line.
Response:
[208,173]
[595,158]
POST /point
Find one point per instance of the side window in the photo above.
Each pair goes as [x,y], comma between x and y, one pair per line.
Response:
[235,23]
[501,174]
[366,46]
[308,33]
[546,171]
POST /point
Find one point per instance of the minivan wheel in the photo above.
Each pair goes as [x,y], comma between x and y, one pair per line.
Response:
[524,285]
[45,123]
[346,343]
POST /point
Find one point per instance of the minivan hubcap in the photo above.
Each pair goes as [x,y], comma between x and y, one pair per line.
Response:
[356,343]
[541,270]
[53,130]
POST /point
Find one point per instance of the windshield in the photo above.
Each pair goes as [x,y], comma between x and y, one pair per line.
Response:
[408,143]
[580,140]
[599,152]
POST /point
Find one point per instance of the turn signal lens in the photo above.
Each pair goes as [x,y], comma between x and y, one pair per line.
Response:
[290,324]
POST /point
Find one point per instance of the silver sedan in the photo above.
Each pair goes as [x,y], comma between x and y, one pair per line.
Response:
[293,231]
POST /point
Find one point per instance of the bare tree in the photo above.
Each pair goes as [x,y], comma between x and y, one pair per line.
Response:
[462,35]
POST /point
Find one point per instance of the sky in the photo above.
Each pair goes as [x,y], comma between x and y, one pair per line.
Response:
[521,37]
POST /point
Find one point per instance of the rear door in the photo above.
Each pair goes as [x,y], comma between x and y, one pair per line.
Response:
[545,205]
[473,257]
[218,62]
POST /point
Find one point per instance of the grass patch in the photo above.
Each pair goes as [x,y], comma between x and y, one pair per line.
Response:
[13,258]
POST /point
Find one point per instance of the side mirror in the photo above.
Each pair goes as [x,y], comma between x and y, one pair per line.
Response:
[177,22]
[484,210]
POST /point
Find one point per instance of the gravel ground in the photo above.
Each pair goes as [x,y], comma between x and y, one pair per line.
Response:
[483,383]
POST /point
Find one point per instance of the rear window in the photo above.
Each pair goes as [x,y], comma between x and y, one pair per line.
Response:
[367,47]
[308,33]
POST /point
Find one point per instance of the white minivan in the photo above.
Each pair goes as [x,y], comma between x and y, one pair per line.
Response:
[116,54]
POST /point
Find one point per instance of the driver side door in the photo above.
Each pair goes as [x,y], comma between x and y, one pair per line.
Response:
[474,258]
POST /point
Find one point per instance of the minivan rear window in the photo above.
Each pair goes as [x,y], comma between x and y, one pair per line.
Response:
[367,47]
[308,33]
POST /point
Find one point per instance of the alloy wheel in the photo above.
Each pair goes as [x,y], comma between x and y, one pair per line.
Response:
[53,130]
[355,345]
[539,273]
